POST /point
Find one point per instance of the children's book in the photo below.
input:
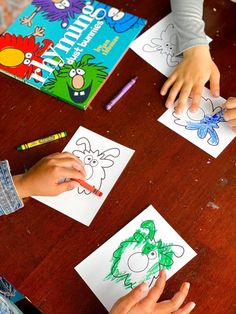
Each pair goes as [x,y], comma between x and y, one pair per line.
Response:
[67,48]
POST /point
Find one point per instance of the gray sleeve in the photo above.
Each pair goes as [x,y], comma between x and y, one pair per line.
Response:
[9,199]
[189,24]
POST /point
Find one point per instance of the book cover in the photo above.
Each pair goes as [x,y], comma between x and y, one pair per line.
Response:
[67,48]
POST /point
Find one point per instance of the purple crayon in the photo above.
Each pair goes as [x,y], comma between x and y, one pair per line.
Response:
[121,93]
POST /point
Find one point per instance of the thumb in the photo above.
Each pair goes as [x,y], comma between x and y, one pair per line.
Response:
[215,81]
[67,186]
[125,304]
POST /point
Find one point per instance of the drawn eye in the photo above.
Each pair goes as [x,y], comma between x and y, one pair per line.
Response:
[72,73]
[28,55]
[112,12]
[27,61]
[59,6]
[80,72]
[66,3]
[94,163]
[152,255]
[88,159]
[118,16]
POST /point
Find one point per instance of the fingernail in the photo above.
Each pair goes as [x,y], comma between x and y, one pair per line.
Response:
[187,285]
[192,306]
[162,273]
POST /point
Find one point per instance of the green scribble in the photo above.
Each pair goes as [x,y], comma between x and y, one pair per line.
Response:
[140,257]
[77,83]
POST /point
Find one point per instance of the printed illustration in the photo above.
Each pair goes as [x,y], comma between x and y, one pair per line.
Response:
[55,10]
[95,162]
[119,20]
[166,44]
[205,121]
[140,257]
[77,82]
[17,52]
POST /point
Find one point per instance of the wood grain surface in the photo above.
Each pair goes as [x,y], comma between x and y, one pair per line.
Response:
[39,247]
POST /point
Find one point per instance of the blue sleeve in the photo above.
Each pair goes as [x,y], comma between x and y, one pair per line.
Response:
[9,199]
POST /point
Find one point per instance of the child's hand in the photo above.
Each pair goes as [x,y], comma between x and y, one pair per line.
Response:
[189,77]
[230,114]
[139,302]
[43,179]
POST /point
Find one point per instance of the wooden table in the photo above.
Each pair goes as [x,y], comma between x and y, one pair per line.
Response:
[39,246]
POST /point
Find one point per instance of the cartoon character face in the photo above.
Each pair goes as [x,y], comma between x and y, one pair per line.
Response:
[17,52]
[78,81]
[140,257]
[118,20]
[204,121]
[59,10]
[166,44]
[95,162]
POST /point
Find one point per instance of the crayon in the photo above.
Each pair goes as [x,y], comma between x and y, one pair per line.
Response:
[88,187]
[121,93]
[41,141]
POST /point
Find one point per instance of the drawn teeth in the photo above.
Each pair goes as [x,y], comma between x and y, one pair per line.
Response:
[76,93]
[82,93]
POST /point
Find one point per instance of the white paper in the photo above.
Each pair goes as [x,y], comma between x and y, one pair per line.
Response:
[172,251]
[210,134]
[158,45]
[104,162]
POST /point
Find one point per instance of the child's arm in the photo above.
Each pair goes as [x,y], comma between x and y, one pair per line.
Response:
[230,114]
[197,67]
[140,300]
[44,178]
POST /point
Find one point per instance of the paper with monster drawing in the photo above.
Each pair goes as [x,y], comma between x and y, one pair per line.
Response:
[104,162]
[159,46]
[134,254]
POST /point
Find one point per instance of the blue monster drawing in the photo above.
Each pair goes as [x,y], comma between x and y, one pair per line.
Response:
[119,20]
[205,121]
[55,10]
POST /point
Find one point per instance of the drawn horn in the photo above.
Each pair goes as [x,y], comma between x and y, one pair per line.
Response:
[149,225]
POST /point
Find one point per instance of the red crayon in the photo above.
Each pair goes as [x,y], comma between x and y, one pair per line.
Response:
[88,187]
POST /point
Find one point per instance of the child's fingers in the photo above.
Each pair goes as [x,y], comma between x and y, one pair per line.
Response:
[186,309]
[215,81]
[68,173]
[125,304]
[183,98]
[66,155]
[230,103]
[196,97]
[70,163]
[66,186]
[173,94]
[168,84]
[230,115]
[179,297]
[156,291]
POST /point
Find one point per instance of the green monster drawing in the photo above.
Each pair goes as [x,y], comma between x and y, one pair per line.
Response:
[78,82]
[140,257]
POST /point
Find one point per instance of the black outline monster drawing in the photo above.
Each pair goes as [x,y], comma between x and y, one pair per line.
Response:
[165,45]
[95,162]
